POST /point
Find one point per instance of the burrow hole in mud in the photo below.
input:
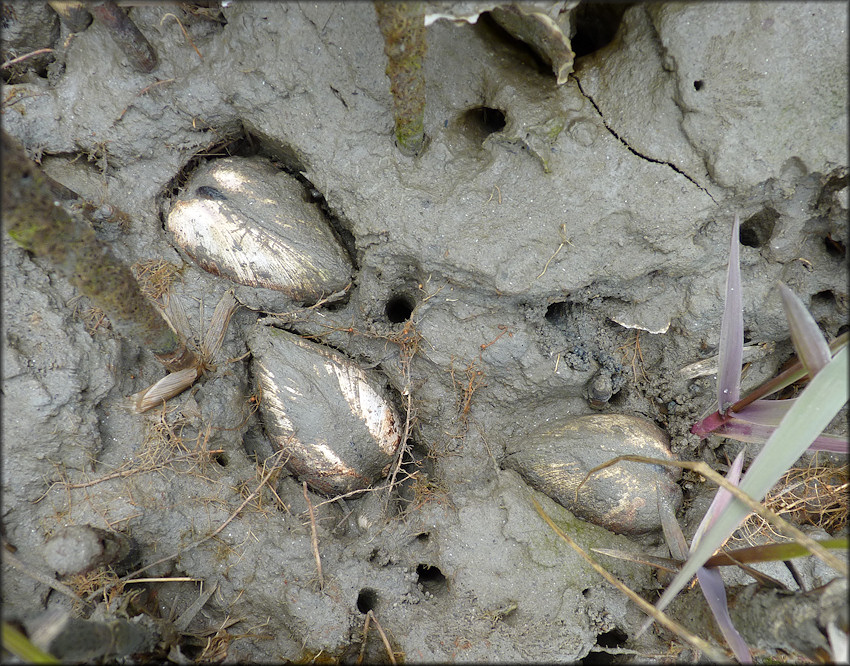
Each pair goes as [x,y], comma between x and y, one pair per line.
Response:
[220,459]
[423,537]
[834,248]
[479,122]
[596,25]
[367,600]
[616,638]
[757,229]
[698,84]
[399,308]
[431,579]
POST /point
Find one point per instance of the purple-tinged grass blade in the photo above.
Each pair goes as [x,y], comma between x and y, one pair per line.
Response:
[721,499]
[816,406]
[812,348]
[765,412]
[755,433]
[710,580]
[731,351]
[704,427]
[711,584]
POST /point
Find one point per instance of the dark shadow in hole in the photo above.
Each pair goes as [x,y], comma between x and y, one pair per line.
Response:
[431,579]
[480,122]
[757,229]
[834,248]
[399,308]
[367,600]
[615,638]
[423,537]
[556,313]
[221,459]
[698,85]
[596,24]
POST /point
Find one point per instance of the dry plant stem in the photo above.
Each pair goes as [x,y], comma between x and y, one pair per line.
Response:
[314,537]
[37,224]
[14,61]
[273,469]
[127,472]
[185,34]
[711,652]
[383,636]
[51,582]
[402,449]
[403,26]
[370,617]
[770,516]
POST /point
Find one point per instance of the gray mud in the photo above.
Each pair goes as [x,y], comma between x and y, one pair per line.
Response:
[496,275]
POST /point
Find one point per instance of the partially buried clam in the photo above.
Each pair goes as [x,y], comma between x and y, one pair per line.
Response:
[334,422]
[245,220]
[622,498]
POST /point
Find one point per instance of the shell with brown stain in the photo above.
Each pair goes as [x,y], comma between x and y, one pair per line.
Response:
[334,421]
[622,498]
[245,220]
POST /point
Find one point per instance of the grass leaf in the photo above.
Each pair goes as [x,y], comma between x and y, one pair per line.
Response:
[811,346]
[731,331]
[711,584]
[816,406]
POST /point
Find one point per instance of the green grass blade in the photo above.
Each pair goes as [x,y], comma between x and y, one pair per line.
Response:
[814,409]
[20,646]
[772,552]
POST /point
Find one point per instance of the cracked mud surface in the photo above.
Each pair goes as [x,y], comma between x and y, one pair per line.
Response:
[548,235]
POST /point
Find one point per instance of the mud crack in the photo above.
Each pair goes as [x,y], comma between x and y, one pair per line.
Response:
[632,150]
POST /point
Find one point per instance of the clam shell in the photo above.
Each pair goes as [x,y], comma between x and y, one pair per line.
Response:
[245,220]
[622,498]
[334,421]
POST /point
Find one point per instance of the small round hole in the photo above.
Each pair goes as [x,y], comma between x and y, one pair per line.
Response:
[596,25]
[423,537]
[834,248]
[220,459]
[698,85]
[431,579]
[481,121]
[557,312]
[757,229]
[367,600]
[399,308]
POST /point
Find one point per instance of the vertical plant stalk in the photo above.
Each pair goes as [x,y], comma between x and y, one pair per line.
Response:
[403,26]
[37,223]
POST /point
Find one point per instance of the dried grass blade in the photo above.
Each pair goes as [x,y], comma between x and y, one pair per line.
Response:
[166,388]
[214,336]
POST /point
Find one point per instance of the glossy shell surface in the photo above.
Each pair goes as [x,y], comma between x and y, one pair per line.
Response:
[334,420]
[245,220]
[622,498]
